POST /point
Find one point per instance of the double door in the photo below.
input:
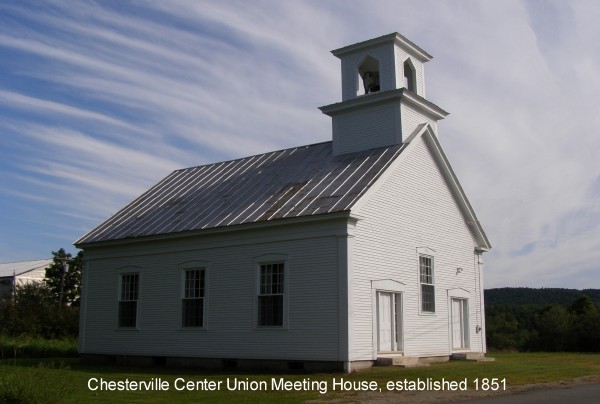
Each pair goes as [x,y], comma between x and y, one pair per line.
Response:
[389,320]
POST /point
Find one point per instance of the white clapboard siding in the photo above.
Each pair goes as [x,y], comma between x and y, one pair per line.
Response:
[366,129]
[313,316]
[411,119]
[413,209]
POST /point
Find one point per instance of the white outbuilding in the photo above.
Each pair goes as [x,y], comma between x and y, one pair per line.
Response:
[20,273]
[335,255]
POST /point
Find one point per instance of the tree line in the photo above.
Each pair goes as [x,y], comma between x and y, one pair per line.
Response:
[520,325]
[537,296]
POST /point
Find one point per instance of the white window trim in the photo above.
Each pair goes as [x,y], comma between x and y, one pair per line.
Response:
[129,270]
[272,259]
[190,266]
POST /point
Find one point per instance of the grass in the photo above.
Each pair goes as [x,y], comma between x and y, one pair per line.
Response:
[29,347]
[53,380]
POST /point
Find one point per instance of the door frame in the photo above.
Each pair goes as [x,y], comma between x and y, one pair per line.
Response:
[465,295]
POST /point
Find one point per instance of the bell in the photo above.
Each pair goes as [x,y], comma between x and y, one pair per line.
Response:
[371,82]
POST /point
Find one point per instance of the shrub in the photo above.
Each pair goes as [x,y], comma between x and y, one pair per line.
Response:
[28,347]
[34,312]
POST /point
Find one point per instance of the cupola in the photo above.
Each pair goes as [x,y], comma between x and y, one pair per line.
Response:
[383,94]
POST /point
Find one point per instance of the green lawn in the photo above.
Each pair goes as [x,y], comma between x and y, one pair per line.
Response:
[56,380]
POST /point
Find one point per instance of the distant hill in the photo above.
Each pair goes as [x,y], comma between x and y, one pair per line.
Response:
[532,296]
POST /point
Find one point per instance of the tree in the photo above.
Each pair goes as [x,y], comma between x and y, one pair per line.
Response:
[33,313]
[585,327]
[583,305]
[72,281]
[553,328]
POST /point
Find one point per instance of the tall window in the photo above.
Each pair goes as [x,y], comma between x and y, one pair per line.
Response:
[128,300]
[427,288]
[270,295]
[192,303]
[410,81]
[368,72]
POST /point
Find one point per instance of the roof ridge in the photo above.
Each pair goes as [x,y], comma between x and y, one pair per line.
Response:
[252,155]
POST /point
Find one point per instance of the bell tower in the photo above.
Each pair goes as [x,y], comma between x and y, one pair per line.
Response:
[383,94]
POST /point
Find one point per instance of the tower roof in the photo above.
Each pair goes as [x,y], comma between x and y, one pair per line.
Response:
[398,39]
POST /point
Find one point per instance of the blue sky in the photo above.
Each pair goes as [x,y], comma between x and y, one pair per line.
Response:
[99,101]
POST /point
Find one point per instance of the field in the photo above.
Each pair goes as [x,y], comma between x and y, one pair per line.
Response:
[57,380]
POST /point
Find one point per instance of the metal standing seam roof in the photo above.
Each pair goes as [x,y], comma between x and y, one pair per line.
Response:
[301,181]
[18,268]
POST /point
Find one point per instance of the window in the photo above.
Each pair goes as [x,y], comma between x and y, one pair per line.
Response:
[427,288]
[368,72]
[128,300]
[409,76]
[192,303]
[270,295]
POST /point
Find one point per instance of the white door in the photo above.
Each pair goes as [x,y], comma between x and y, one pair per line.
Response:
[385,321]
[459,322]
[389,321]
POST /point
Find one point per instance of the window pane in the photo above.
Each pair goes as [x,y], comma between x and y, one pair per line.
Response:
[194,284]
[127,314]
[129,287]
[426,270]
[271,279]
[427,298]
[270,310]
[277,281]
[192,312]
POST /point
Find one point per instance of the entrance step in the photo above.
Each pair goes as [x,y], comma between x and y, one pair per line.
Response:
[471,356]
[402,361]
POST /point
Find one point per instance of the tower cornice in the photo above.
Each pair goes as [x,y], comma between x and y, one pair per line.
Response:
[401,95]
[396,37]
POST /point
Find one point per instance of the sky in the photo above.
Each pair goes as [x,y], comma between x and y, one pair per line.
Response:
[101,100]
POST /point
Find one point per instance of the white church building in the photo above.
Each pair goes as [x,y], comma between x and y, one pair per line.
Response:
[337,255]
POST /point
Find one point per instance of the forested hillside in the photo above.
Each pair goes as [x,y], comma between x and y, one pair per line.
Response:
[543,296]
[527,319]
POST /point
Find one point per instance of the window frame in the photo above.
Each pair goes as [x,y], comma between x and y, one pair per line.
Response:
[192,266]
[259,262]
[120,298]
[422,283]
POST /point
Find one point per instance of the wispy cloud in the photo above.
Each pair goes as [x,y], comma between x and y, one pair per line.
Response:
[98,102]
